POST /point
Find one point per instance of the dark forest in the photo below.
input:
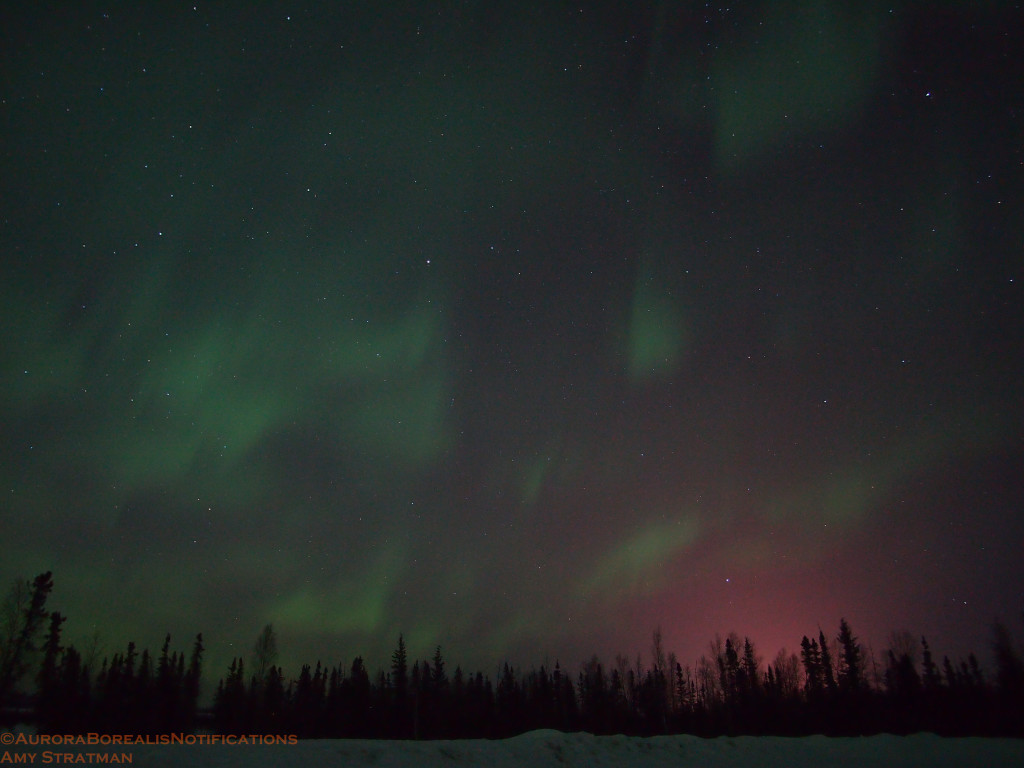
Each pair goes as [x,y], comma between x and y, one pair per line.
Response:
[833,686]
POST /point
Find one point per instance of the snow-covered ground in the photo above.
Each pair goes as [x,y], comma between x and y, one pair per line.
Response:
[551,748]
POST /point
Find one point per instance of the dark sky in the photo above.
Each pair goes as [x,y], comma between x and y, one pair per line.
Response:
[520,328]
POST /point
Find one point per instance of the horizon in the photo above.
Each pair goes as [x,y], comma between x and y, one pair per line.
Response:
[217,657]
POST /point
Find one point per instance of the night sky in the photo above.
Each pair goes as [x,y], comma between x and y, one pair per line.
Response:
[520,328]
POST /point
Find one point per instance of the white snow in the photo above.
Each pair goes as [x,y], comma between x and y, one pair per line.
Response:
[539,749]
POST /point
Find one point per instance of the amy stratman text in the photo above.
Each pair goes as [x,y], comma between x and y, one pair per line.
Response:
[53,758]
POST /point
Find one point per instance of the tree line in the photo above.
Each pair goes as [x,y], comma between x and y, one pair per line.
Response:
[833,685]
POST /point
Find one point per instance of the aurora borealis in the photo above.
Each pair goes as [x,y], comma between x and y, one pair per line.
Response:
[521,330]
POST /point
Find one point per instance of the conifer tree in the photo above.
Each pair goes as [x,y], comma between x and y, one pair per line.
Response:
[593,693]
[73,704]
[437,674]
[1009,665]
[400,687]
[23,620]
[953,681]
[230,702]
[48,678]
[826,663]
[440,701]
[400,668]
[930,677]
[509,702]
[51,653]
[901,679]
[749,670]
[306,703]
[359,693]
[810,656]
[193,678]
[274,700]
[850,674]
[163,669]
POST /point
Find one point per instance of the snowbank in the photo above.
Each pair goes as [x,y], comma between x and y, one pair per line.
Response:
[540,749]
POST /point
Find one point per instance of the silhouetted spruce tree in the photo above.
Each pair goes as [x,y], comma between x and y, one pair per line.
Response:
[681,690]
[566,705]
[686,695]
[478,712]
[620,710]
[652,703]
[48,679]
[419,687]
[129,661]
[728,671]
[595,701]
[75,700]
[19,637]
[437,673]
[930,673]
[319,698]
[193,678]
[810,657]
[101,693]
[1009,681]
[332,704]
[1009,666]
[274,702]
[358,700]
[230,703]
[850,716]
[179,690]
[953,680]
[771,686]
[133,702]
[438,714]
[850,674]
[307,703]
[116,684]
[400,686]
[903,688]
[165,692]
[509,703]
[750,691]
[143,698]
[827,670]
[976,674]
[458,718]
[51,652]
[541,700]
[12,619]
[749,673]
[966,673]
[967,698]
